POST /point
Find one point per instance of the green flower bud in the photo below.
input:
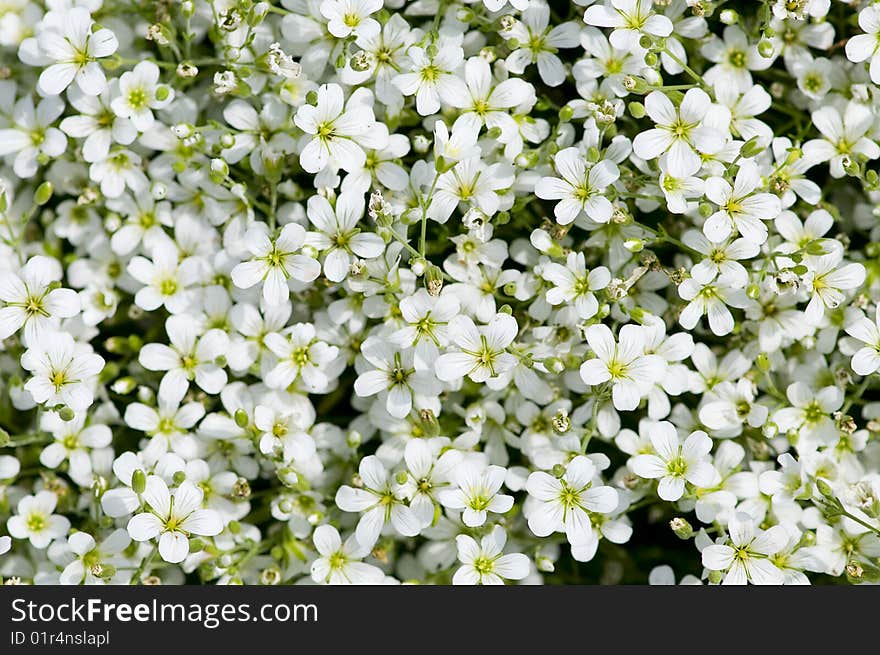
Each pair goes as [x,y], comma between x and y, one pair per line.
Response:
[66,414]
[138,481]
[825,489]
[566,114]
[401,477]
[635,85]
[558,470]
[4,438]
[751,148]
[241,418]
[636,109]
[753,291]
[429,423]
[43,194]
[651,59]
[196,545]
[762,361]
[765,48]
[179,478]
[681,528]
[706,210]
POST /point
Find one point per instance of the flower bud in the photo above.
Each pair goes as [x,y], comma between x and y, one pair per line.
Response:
[636,109]
[752,148]
[43,194]
[66,414]
[762,361]
[433,280]
[429,423]
[766,49]
[138,481]
[179,478]
[544,564]
[681,528]
[729,17]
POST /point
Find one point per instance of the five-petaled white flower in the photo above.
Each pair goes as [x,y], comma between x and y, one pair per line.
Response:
[173,517]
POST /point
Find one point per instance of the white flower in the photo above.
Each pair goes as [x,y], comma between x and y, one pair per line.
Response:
[674,462]
[625,365]
[471,182]
[394,377]
[867,359]
[96,123]
[427,475]
[827,280]
[337,235]
[573,284]
[482,351]
[844,136]
[710,298]
[378,503]
[31,135]
[167,279]
[301,355]
[35,521]
[140,93]
[433,79]
[539,43]
[563,504]
[476,493]
[190,357]
[746,560]
[173,518]
[340,563]
[426,328]
[739,207]
[63,371]
[862,47]
[275,261]
[680,134]
[487,103]
[336,132]
[630,20]
[483,563]
[69,41]
[93,563]
[32,301]
[351,17]
[580,191]
[73,441]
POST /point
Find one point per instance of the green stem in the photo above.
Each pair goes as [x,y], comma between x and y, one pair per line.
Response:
[143,568]
[687,69]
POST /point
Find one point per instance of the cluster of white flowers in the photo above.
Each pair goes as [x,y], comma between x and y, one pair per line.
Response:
[443,291]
